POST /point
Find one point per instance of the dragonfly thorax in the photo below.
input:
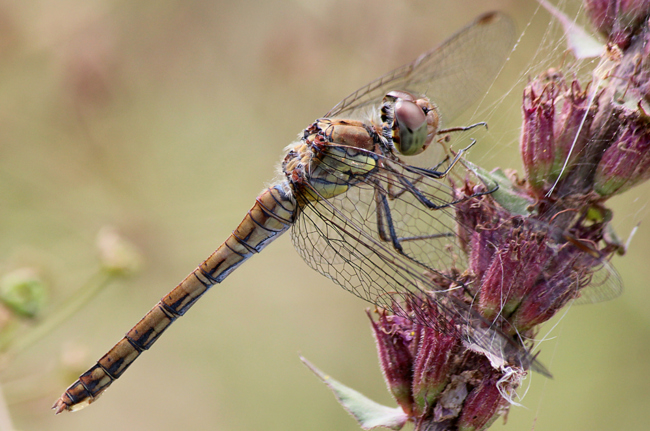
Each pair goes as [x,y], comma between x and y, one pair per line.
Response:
[408,122]
[332,156]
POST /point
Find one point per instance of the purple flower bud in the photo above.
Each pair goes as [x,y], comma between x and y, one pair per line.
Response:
[555,129]
[548,296]
[618,20]
[436,358]
[601,14]
[395,337]
[537,136]
[546,299]
[482,250]
[626,162]
[479,231]
[484,404]
[515,267]
[571,127]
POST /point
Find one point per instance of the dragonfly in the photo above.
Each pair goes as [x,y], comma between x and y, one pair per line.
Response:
[358,213]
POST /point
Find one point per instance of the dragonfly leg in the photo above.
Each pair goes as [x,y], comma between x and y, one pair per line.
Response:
[395,193]
[462,129]
[433,173]
[386,228]
[385,225]
[411,187]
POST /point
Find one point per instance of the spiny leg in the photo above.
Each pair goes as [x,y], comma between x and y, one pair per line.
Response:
[462,129]
[437,175]
[412,188]
[395,193]
[409,186]
[385,221]
[433,172]
[386,227]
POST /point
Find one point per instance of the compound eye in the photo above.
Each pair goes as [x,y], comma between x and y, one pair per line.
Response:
[411,124]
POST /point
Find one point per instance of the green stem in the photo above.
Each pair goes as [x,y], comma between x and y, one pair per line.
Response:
[72,305]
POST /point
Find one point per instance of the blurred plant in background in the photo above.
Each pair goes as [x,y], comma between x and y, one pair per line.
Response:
[27,316]
[23,293]
[534,245]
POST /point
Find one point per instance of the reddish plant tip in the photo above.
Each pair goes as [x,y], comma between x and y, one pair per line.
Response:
[618,20]
[537,137]
[432,372]
[395,339]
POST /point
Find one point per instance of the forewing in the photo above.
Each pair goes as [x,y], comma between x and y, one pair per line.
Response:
[453,74]
[604,284]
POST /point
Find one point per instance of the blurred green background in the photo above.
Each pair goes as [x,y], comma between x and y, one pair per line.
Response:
[165,119]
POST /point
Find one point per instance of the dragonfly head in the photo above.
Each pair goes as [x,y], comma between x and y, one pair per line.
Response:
[413,123]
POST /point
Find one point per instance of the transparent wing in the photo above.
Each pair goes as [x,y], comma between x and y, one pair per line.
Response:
[452,75]
[603,284]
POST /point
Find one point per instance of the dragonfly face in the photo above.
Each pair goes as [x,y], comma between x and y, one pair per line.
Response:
[412,122]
